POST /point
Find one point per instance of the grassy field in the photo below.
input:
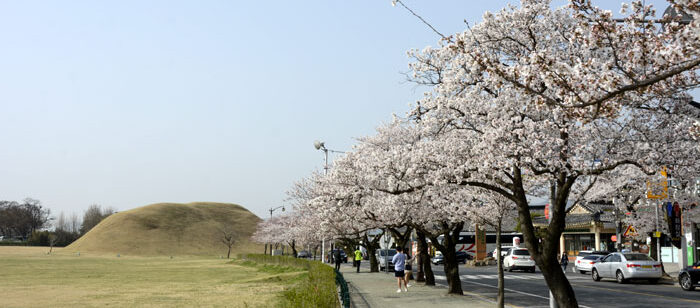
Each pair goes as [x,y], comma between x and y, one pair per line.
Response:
[31,278]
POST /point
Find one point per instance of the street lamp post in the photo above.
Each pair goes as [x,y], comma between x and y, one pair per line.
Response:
[272,210]
[276,208]
[320,145]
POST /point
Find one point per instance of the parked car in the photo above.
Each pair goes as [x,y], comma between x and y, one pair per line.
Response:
[518,259]
[689,277]
[304,254]
[585,264]
[384,257]
[625,266]
[504,251]
[583,253]
[462,257]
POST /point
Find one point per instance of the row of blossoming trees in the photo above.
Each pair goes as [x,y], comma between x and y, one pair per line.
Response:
[568,103]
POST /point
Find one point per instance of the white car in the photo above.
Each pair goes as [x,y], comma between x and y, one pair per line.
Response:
[504,251]
[583,253]
[624,266]
[518,258]
[585,264]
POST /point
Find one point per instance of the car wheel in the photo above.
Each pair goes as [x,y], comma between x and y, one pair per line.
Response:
[532,269]
[686,283]
[582,272]
[594,275]
[619,277]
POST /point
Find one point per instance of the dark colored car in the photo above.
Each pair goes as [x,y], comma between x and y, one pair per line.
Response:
[304,254]
[462,257]
[689,277]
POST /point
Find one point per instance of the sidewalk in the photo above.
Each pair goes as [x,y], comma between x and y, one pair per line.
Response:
[379,290]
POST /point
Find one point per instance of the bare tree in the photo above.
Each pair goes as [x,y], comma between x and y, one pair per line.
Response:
[93,216]
[228,237]
[74,223]
[53,238]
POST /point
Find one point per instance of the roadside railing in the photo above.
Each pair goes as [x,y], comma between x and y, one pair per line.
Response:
[343,291]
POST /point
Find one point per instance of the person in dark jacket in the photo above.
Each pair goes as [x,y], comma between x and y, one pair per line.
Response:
[336,258]
[564,261]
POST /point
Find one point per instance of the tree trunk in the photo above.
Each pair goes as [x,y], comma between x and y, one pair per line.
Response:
[546,253]
[454,283]
[452,270]
[428,270]
[294,248]
[228,255]
[425,272]
[500,300]
[558,283]
[266,249]
[372,246]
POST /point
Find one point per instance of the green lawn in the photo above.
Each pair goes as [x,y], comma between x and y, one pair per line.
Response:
[31,278]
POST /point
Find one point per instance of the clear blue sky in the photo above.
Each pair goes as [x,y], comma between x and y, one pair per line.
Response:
[127,103]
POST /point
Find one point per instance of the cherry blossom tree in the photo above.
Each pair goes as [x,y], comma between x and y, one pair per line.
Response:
[392,167]
[495,211]
[537,100]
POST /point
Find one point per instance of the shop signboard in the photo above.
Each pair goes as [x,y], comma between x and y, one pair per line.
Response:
[480,243]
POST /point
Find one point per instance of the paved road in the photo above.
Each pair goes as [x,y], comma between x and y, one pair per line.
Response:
[529,290]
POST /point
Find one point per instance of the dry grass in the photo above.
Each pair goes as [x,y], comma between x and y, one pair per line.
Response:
[31,278]
[171,229]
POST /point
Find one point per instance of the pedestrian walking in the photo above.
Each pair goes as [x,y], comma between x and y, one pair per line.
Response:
[358,258]
[408,269]
[399,261]
[564,261]
[336,258]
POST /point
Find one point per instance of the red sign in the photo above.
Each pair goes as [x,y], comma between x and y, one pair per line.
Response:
[546,211]
[613,238]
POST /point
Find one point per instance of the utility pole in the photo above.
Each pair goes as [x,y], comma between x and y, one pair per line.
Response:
[322,146]
[552,193]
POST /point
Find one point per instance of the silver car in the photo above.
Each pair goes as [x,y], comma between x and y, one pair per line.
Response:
[624,266]
[385,256]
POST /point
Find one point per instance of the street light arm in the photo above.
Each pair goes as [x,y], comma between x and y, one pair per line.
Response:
[276,208]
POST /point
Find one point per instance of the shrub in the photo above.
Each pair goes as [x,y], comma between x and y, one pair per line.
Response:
[317,289]
[39,238]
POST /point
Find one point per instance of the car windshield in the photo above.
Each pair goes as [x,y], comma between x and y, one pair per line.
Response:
[592,257]
[391,252]
[637,257]
[521,252]
[583,254]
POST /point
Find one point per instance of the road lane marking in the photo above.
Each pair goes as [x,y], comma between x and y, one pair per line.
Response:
[639,293]
[504,289]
